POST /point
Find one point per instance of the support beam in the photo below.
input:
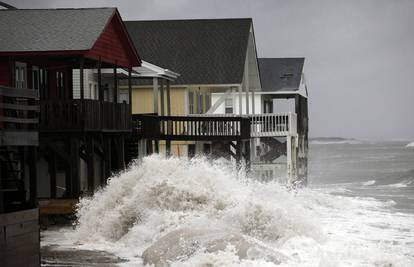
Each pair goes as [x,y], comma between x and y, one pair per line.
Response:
[33,176]
[155,94]
[91,164]
[240,100]
[130,89]
[246,82]
[52,173]
[81,79]
[168,99]
[253,103]
[115,85]
[74,183]
[100,88]
[162,97]
[168,148]
[107,158]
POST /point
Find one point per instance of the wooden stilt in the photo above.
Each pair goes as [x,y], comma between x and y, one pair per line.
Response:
[52,173]
[33,176]
[91,164]
[74,184]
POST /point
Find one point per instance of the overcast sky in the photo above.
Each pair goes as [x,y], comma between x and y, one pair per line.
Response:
[359,53]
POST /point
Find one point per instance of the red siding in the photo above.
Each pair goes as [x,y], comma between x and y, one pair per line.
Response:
[5,72]
[114,46]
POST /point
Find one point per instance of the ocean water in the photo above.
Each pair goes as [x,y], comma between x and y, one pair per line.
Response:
[357,211]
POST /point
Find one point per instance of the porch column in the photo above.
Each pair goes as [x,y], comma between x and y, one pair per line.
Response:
[246,82]
[155,94]
[253,104]
[162,97]
[130,89]
[33,176]
[240,100]
[115,85]
[91,163]
[81,79]
[168,99]
[101,93]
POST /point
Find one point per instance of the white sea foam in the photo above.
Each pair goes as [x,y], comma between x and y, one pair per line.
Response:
[370,182]
[309,227]
[410,144]
[336,142]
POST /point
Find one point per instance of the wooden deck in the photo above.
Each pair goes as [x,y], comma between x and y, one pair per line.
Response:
[18,117]
[191,128]
[57,206]
[76,115]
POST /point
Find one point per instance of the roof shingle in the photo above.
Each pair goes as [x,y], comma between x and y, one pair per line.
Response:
[25,30]
[206,51]
[280,74]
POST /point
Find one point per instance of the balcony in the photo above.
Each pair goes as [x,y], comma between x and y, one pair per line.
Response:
[84,116]
[273,125]
[194,128]
[18,117]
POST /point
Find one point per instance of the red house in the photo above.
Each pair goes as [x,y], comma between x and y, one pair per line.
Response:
[52,145]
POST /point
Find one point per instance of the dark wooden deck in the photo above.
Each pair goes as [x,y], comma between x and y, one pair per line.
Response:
[190,128]
[84,116]
[18,117]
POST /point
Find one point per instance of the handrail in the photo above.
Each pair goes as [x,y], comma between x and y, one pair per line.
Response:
[18,109]
[191,127]
[84,115]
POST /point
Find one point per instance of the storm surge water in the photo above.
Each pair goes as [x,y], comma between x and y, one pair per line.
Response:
[308,227]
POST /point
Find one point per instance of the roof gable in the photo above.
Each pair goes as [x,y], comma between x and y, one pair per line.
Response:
[208,51]
[114,46]
[280,74]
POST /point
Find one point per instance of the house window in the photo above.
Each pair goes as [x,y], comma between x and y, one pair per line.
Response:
[190,102]
[20,71]
[228,105]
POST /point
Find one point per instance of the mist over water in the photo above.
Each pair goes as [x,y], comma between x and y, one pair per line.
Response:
[342,219]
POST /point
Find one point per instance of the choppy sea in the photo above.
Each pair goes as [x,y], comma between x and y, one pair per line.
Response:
[357,211]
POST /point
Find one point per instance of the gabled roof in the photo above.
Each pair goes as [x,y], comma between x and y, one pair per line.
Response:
[205,51]
[53,31]
[280,74]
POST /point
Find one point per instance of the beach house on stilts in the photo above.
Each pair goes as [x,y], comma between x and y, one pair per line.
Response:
[80,139]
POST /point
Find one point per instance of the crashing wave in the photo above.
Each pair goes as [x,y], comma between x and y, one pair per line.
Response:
[230,220]
[410,144]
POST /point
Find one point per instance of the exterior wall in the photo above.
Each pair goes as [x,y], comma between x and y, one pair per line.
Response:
[235,96]
[5,72]
[201,99]
[112,46]
[90,84]
[143,101]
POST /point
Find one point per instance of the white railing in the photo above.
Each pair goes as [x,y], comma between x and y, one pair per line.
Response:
[280,124]
[266,125]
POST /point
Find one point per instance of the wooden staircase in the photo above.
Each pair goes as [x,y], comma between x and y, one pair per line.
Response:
[11,184]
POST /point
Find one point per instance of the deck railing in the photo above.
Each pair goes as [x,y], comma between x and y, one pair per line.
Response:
[18,108]
[280,124]
[191,127]
[19,117]
[266,125]
[84,115]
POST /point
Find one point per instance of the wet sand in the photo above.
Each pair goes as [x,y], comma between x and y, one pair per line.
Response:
[55,256]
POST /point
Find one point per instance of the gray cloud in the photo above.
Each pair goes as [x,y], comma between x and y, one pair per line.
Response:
[359,53]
